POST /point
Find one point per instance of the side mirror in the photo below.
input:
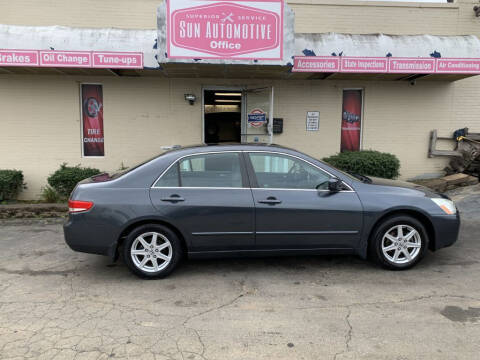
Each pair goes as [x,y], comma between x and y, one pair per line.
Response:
[334,185]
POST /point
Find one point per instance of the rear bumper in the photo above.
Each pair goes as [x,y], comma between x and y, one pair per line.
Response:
[446,229]
[88,237]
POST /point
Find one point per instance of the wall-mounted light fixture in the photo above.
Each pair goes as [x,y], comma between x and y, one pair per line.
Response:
[191,98]
[476,9]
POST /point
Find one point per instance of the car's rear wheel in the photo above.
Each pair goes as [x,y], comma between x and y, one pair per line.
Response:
[152,251]
[399,242]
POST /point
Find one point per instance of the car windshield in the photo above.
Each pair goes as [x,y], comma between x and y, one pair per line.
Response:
[352,176]
[355,176]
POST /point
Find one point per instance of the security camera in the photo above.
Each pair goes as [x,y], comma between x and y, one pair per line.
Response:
[413,82]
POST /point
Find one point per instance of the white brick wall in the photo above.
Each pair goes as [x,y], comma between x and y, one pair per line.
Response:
[40,119]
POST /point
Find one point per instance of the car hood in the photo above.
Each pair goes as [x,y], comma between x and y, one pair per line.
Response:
[405,185]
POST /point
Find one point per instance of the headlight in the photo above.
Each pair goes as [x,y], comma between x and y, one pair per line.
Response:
[446,205]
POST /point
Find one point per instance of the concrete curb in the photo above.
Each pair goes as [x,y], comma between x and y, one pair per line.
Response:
[22,211]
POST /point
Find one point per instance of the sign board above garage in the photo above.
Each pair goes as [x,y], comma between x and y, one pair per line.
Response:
[386,54]
[73,59]
[387,65]
[235,31]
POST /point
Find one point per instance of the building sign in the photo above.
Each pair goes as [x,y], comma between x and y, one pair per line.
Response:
[236,29]
[92,120]
[313,119]
[73,59]
[117,60]
[18,58]
[257,118]
[316,64]
[351,120]
[391,65]
[76,59]
[411,65]
[364,65]
[462,66]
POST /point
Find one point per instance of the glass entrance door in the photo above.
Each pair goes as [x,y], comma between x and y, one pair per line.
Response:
[257,119]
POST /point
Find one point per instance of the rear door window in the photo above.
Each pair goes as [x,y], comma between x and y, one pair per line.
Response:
[222,170]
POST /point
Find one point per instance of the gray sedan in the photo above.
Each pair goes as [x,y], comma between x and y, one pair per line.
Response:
[253,200]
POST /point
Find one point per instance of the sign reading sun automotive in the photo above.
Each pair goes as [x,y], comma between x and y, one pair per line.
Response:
[238,29]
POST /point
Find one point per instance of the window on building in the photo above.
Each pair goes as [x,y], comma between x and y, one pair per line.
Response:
[275,171]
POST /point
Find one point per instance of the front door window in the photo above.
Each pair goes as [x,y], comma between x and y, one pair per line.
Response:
[275,171]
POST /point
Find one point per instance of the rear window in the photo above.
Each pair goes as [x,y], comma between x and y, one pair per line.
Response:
[117,174]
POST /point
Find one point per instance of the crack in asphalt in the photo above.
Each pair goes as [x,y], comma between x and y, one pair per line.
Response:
[27,271]
[348,335]
[184,324]
[417,298]
[213,309]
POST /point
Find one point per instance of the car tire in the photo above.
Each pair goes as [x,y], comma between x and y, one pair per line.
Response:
[399,242]
[152,251]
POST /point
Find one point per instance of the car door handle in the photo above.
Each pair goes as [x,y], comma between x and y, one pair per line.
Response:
[270,201]
[173,198]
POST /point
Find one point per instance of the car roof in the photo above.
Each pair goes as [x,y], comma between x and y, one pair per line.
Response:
[229,146]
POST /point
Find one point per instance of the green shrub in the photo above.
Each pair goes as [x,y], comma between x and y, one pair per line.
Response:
[368,162]
[11,183]
[50,195]
[64,179]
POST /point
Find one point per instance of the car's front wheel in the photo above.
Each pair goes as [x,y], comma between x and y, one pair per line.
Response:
[152,251]
[399,242]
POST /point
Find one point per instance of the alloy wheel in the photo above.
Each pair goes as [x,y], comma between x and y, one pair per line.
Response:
[151,252]
[401,244]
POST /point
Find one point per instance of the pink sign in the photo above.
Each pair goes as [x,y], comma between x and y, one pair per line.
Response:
[458,66]
[77,59]
[411,65]
[118,60]
[364,64]
[316,64]
[225,29]
[74,59]
[18,57]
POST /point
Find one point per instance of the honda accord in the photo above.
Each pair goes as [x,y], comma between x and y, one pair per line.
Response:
[253,200]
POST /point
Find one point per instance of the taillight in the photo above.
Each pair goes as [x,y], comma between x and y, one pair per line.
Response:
[75,206]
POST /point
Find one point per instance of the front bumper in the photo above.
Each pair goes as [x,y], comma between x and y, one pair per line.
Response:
[446,228]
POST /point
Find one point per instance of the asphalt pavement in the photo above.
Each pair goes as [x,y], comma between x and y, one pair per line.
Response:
[58,304]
